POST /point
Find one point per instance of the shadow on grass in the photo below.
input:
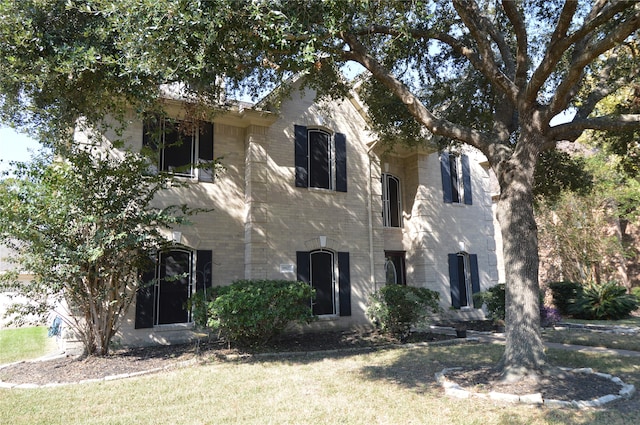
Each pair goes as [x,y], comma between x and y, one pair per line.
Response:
[415,369]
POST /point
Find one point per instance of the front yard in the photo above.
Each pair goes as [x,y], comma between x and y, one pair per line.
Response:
[395,386]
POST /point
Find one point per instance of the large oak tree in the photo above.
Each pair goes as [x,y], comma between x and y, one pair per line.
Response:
[486,73]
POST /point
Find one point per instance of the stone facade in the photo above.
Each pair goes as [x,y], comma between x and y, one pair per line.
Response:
[261,225]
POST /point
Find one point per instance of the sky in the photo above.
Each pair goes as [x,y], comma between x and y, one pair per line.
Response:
[15,147]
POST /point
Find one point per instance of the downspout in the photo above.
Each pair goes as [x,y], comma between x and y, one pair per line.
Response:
[372,279]
[355,101]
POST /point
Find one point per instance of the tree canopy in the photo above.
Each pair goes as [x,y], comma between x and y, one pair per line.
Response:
[491,74]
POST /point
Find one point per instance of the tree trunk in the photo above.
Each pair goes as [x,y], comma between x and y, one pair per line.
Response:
[524,351]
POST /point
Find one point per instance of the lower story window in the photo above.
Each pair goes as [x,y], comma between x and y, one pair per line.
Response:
[463,278]
[173,287]
[394,268]
[328,273]
[169,284]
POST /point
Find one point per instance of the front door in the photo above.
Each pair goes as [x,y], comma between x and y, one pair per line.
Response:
[323,281]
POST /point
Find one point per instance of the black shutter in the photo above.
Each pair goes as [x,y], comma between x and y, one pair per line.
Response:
[151,135]
[205,152]
[454,280]
[445,171]
[466,179]
[144,298]
[340,141]
[151,132]
[303,266]
[301,156]
[344,284]
[203,269]
[475,278]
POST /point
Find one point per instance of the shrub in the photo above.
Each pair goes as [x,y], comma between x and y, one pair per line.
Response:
[494,298]
[396,308]
[606,301]
[549,316]
[198,303]
[636,291]
[564,295]
[252,312]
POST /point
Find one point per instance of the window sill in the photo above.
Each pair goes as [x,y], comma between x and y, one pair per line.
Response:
[321,190]
[174,327]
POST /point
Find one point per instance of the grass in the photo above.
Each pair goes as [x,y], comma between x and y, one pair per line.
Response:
[593,338]
[23,343]
[630,321]
[385,387]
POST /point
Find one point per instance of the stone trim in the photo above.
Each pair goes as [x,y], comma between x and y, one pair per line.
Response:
[454,390]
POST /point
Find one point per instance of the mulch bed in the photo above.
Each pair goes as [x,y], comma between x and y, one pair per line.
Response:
[556,385]
[74,369]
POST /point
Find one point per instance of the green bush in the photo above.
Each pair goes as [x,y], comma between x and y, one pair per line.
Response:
[394,309]
[636,291]
[565,294]
[198,303]
[494,298]
[606,301]
[252,312]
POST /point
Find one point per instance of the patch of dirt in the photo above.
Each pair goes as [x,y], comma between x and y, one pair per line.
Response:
[74,369]
[556,385]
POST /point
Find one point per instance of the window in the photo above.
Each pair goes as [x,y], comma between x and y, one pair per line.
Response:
[168,285]
[182,148]
[391,201]
[320,159]
[463,278]
[328,273]
[456,178]
[394,268]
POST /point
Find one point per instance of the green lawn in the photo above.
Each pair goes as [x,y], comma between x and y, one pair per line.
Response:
[23,343]
[386,387]
[630,321]
[593,339]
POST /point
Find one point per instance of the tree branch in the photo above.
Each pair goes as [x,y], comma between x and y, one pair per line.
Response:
[555,50]
[586,54]
[358,53]
[572,130]
[469,13]
[522,55]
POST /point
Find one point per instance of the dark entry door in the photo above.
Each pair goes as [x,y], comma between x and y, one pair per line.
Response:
[173,287]
[322,279]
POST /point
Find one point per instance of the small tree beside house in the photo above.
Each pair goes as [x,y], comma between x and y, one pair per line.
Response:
[85,227]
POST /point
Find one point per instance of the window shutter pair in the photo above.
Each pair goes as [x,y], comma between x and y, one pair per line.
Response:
[302,158]
[344,278]
[447,178]
[145,295]
[454,278]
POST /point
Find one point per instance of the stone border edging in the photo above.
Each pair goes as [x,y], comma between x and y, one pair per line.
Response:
[8,385]
[232,357]
[454,390]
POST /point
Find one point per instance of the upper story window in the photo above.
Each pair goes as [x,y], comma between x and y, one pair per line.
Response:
[456,178]
[320,159]
[183,148]
[391,201]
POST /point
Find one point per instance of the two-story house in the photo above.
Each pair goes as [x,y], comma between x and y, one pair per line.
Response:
[306,193]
